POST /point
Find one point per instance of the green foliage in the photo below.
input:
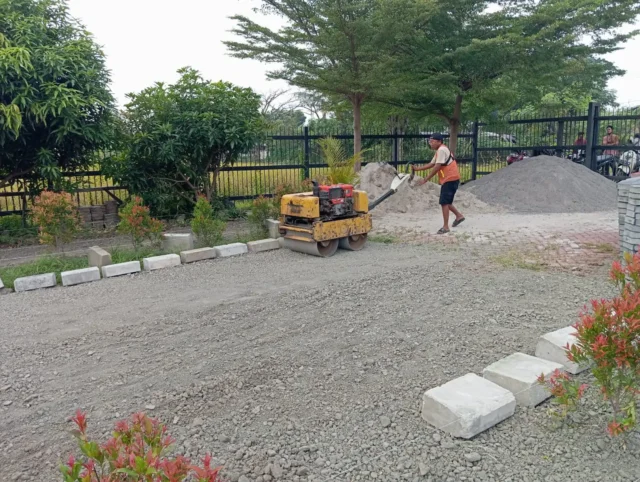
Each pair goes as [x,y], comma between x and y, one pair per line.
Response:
[56,109]
[205,226]
[262,209]
[136,222]
[177,137]
[341,168]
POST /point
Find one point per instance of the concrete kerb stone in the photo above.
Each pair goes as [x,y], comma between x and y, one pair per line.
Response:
[273,225]
[121,269]
[30,283]
[195,255]
[551,347]
[519,374]
[98,257]
[80,276]
[161,262]
[234,249]
[1,284]
[172,242]
[263,245]
[467,406]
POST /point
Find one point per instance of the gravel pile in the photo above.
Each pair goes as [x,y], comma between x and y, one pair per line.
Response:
[284,376]
[546,184]
[376,178]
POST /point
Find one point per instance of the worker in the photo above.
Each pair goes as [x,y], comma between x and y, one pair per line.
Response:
[445,166]
[610,139]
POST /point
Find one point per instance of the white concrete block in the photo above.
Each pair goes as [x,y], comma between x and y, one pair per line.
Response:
[121,269]
[467,406]
[194,255]
[234,249]
[519,374]
[551,346]
[161,262]
[281,242]
[1,284]
[80,276]
[273,225]
[177,241]
[263,245]
[98,257]
[39,281]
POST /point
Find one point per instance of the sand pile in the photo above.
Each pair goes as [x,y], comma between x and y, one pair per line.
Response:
[376,178]
[546,184]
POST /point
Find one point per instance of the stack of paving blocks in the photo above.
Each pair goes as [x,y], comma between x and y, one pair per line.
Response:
[471,404]
[629,215]
[100,216]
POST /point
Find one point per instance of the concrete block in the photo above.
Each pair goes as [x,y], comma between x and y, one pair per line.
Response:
[161,262]
[177,242]
[519,374]
[273,226]
[551,346]
[263,245]
[281,242]
[234,249]
[98,257]
[121,269]
[39,281]
[467,406]
[1,284]
[80,276]
[194,255]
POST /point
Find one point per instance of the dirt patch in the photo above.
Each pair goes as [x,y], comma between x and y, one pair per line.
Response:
[546,184]
[376,178]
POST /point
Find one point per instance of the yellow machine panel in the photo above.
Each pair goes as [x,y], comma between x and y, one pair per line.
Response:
[303,205]
[360,201]
[342,228]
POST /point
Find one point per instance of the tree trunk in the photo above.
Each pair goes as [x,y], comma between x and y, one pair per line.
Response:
[356,102]
[454,124]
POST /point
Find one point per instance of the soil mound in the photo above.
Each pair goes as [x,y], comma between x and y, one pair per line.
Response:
[545,184]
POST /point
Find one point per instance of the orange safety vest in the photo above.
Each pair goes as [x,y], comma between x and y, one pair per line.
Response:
[450,171]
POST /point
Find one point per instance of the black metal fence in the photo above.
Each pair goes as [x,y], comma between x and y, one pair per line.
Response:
[289,157]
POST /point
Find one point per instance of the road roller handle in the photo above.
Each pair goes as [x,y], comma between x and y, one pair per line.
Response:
[398,181]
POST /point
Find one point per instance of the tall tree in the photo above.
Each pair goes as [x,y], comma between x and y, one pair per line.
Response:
[55,104]
[327,46]
[470,56]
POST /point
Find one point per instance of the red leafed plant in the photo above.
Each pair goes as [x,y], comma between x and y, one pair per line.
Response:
[608,340]
[138,223]
[56,216]
[134,453]
[566,393]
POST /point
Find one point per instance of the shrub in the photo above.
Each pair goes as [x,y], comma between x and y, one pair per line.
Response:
[341,168]
[56,216]
[567,394]
[289,188]
[608,340]
[138,223]
[262,209]
[134,453]
[204,225]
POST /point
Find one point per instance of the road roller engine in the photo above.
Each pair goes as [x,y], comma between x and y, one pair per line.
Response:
[330,217]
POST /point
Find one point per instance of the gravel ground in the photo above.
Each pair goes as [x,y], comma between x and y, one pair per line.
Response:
[289,367]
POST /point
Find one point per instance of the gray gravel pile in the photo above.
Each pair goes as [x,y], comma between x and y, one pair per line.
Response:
[294,368]
[546,184]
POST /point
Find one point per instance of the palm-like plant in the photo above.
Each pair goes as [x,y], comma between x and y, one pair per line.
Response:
[341,167]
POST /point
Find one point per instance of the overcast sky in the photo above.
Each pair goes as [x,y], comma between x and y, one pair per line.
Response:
[146,42]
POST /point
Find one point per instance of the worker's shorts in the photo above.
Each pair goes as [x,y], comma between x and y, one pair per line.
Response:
[448,192]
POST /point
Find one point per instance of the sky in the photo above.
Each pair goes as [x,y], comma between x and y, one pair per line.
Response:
[147,43]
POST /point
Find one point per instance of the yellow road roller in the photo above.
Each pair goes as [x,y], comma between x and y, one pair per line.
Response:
[330,217]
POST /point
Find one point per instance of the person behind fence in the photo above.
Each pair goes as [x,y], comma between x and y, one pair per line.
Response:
[580,141]
[610,139]
[445,166]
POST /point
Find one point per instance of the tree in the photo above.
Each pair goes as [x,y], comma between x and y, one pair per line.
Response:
[177,138]
[55,104]
[494,54]
[327,46]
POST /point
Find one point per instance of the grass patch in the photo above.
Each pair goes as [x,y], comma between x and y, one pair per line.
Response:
[382,238]
[601,247]
[43,265]
[517,259]
[121,255]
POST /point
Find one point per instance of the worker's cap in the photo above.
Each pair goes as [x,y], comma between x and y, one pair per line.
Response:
[437,137]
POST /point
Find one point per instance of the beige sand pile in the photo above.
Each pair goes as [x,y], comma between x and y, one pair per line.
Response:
[376,178]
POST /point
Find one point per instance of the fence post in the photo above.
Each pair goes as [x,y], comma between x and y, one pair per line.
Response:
[474,160]
[394,159]
[560,138]
[307,153]
[590,159]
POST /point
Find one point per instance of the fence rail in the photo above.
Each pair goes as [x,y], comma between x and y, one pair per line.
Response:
[291,156]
